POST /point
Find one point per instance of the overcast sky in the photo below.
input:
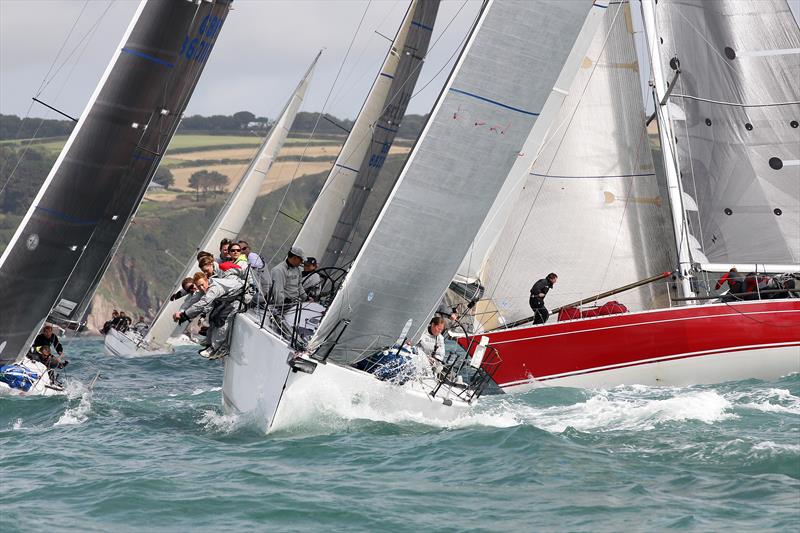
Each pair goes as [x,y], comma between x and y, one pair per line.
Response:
[263,49]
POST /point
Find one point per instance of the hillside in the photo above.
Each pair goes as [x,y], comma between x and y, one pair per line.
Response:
[171,221]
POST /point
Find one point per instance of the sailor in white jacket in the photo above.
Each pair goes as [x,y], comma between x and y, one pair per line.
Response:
[432,342]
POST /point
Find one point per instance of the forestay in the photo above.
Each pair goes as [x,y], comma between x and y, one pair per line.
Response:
[735,109]
[71,230]
[480,122]
[591,208]
[328,229]
[231,218]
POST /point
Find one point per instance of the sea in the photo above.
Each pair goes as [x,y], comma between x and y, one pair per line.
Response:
[149,448]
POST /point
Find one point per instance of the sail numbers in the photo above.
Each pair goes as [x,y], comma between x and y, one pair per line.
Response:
[199,48]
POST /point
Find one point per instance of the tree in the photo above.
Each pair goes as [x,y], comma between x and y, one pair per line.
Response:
[244,118]
[164,177]
[197,181]
[217,181]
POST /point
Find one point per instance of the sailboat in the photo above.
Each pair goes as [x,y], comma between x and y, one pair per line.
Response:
[66,240]
[227,224]
[500,97]
[593,210]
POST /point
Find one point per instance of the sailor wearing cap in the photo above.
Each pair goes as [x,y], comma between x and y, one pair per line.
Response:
[287,287]
[311,280]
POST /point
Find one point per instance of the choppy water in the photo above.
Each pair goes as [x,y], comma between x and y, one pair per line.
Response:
[149,449]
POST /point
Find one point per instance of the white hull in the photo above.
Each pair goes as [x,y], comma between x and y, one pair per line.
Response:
[260,383]
[41,387]
[767,363]
[127,344]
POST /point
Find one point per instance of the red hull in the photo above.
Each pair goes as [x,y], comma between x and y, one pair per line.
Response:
[553,352]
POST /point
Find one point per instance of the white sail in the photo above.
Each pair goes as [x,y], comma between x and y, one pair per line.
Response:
[233,214]
[480,123]
[386,100]
[591,208]
[736,108]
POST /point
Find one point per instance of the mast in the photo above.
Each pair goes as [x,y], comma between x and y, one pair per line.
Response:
[661,92]
[233,214]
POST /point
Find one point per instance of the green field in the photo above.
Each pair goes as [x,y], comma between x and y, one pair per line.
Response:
[186,143]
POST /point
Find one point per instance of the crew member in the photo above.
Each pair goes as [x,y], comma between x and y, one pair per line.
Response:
[219,302]
[286,280]
[538,292]
[311,280]
[48,338]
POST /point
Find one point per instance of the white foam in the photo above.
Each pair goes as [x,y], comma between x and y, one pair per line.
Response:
[219,422]
[623,409]
[78,414]
[774,447]
[202,391]
[767,400]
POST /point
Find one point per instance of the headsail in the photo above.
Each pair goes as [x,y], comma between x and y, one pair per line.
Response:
[481,121]
[735,109]
[87,200]
[233,214]
[327,231]
[590,208]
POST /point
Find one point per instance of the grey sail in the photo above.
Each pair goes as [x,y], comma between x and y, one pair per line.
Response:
[479,124]
[328,231]
[66,240]
[735,110]
[591,208]
[232,216]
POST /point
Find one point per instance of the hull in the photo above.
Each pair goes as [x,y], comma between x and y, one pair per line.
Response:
[37,377]
[672,347]
[261,383]
[127,344]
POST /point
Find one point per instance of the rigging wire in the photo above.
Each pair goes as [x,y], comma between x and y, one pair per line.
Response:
[45,83]
[314,129]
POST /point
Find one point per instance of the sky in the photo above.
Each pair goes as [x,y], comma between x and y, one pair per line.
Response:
[264,48]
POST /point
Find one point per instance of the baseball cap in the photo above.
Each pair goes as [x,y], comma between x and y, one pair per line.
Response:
[296,250]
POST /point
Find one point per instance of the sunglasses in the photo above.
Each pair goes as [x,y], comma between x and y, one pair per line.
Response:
[235,250]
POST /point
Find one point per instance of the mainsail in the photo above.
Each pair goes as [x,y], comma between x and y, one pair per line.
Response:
[233,214]
[735,109]
[479,124]
[68,236]
[590,208]
[328,229]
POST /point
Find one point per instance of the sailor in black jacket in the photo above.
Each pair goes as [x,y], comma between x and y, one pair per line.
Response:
[538,292]
[48,338]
